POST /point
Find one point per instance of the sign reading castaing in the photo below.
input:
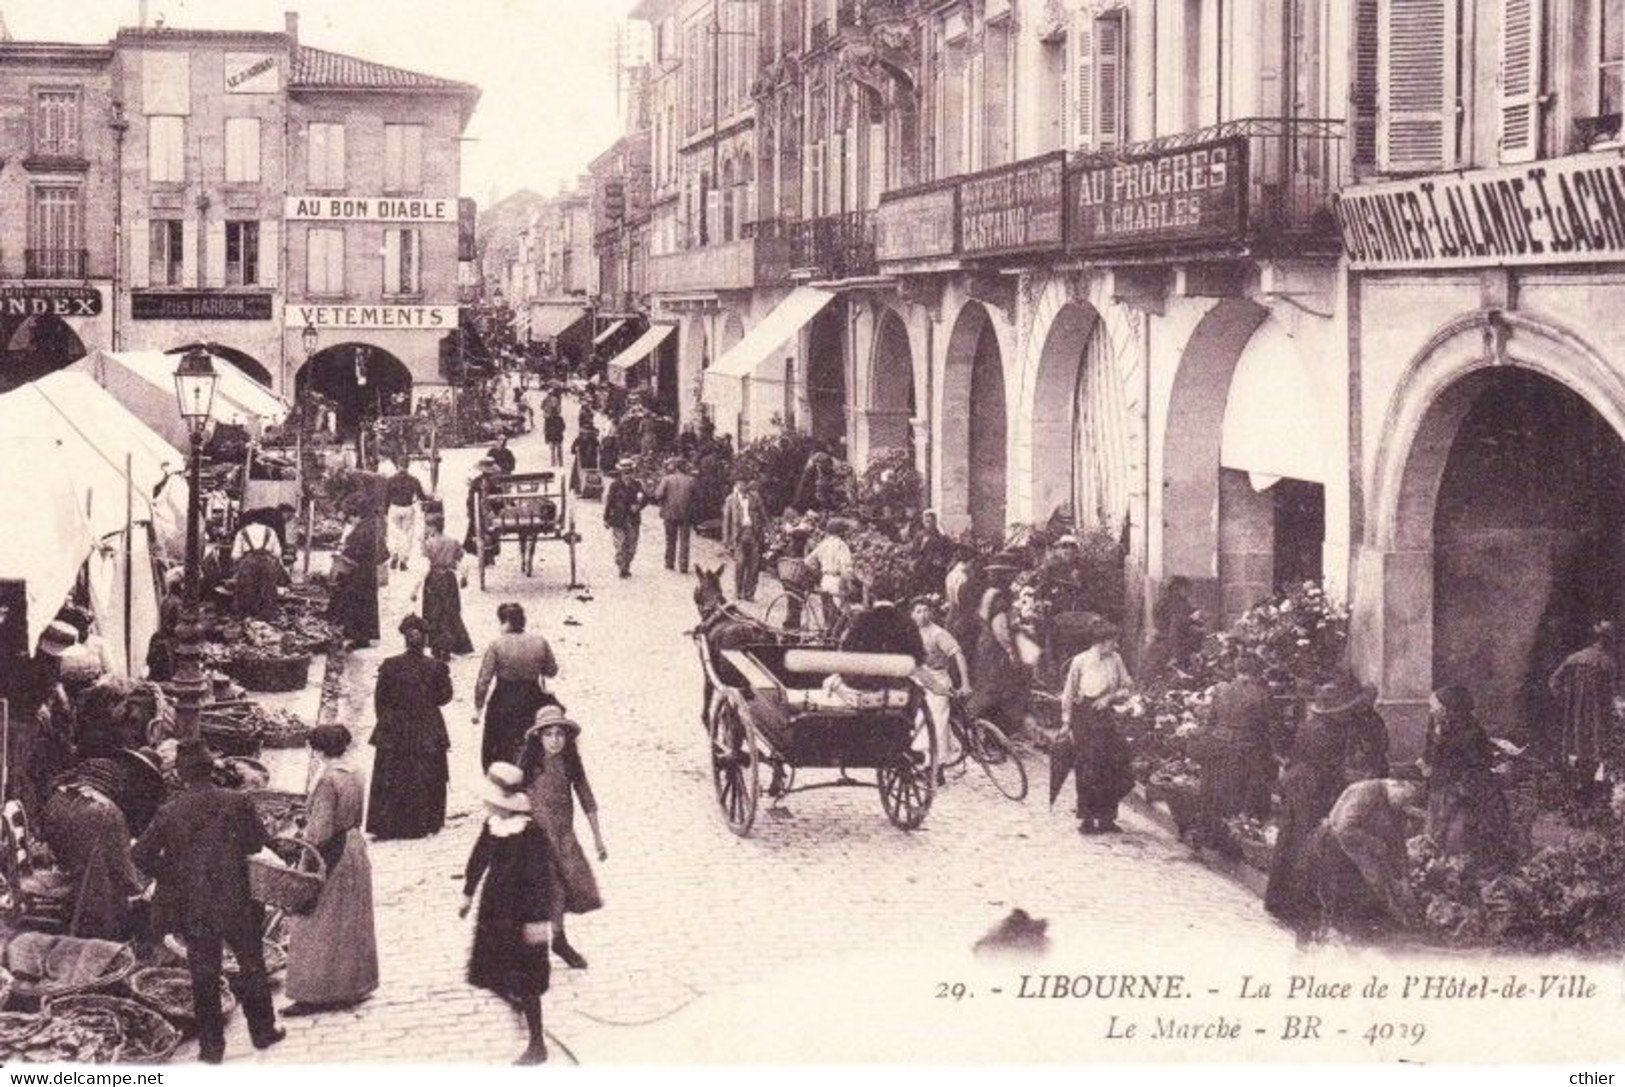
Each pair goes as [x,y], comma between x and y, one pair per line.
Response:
[1193,195]
[1014,208]
[374,209]
[252,73]
[435,318]
[916,225]
[1560,211]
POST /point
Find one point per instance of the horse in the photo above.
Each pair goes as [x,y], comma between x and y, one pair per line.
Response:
[723,626]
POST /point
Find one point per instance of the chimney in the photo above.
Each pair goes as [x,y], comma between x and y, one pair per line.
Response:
[290,27]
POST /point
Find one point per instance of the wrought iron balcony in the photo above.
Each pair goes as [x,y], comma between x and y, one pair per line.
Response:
[835,246]
[57,263]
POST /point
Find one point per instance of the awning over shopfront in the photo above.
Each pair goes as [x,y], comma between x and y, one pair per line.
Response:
[609,330]
[1276,422]
[144,382]
[641,348]
[760,343]
[550,320]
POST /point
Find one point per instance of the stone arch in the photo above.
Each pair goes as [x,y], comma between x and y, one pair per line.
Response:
[974,424]
[245,362]
[361,380]
[32,347]
[892,396]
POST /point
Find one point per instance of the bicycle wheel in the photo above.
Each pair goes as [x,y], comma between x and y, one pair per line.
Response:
[987,745]
[780,610]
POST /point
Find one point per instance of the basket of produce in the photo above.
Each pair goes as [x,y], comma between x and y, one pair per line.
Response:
[280,812]
[241,773]
[43,966]
[267,671]
[228,733]
[86,1038]
[291,887]
[15,1029]
[145,1037]
[797,574]
[168,991]
[279,728]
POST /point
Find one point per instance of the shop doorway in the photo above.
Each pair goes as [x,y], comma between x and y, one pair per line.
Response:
[243,361]
[362,382]
[32,347]
[891,389]
[1529,543]
[826,378]
[1300,532]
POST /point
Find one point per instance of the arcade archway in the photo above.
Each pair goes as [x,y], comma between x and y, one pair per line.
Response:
[1081,429]
[891,388]
[245,362]
[32,347]
[826,376]
[973,422]
[362,382]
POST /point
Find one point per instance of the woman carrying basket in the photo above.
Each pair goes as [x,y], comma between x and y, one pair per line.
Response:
[333,950]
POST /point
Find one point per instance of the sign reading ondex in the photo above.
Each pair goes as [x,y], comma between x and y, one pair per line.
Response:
[1013,208]
[21,301]
[376,209]
[435,318]
[1560,211]
[1194,195]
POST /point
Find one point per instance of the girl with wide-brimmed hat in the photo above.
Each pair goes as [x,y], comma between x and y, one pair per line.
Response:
[555,779]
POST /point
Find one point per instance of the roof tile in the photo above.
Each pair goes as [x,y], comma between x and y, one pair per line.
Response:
[320,68]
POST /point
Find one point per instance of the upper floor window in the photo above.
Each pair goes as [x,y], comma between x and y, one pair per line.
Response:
[242,253]
[166,253]
[1611,57]
[56,232]
[403,158]
[403,261]
[242,150]
[324,261]
[1099,96]
[1416,61]
[56,122]
[325,152]
[166,150]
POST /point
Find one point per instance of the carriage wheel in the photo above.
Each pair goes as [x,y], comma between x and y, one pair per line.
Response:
[735,768]
[908,781]
[777,612]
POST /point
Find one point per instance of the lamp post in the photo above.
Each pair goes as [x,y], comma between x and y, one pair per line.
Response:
[194,392]
[304,432]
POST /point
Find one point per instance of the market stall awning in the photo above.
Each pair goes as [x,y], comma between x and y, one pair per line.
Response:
[641,348]
[1275,422]
[549,320]
[782,322]
[144,382]
[47,537]
[609,330]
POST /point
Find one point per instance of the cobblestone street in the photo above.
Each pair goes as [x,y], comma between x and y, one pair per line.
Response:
[695,917]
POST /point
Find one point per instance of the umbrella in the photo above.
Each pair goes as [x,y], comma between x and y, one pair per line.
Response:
[1061,757]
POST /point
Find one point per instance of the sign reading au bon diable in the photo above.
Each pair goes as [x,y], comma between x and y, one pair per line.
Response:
[374,209]
[1559,211]
[1014,208]
[431,318]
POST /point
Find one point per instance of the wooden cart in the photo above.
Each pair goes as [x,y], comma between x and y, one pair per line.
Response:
[527,507]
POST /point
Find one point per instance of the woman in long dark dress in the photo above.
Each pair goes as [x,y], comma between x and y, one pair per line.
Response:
[998,680]
[442,592]
[1095,681]
[354,602]
[409,772]
[511,932]
[1467,811]
[512,674]
[554,779]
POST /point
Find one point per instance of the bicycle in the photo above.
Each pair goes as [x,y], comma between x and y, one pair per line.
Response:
[810,612]
[984,743]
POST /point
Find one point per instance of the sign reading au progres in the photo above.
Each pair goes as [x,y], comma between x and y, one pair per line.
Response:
[1558,211]
[1013,209]
[1194,194]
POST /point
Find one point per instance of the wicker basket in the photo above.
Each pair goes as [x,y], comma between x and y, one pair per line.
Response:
[292,889]
[270,675]
[44,989]
[148,1037]
[168,991]
[796,574]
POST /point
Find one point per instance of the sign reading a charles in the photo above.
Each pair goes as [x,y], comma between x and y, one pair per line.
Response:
[1193,195]
[1014,208]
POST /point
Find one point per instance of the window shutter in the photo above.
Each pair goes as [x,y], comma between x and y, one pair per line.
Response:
[1363,93]
[335,262]
[1111,44]
[1082,44]
[270,252]
[214,267]
[392,262]
[1520,78]
[189,252]
[1416,124]
[140,244]
[412,159]
[392,158]
[335,156]
[316,155]
[315,261]
[713,216]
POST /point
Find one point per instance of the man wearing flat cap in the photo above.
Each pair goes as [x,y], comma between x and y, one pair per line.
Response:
[623,512]
[197,848]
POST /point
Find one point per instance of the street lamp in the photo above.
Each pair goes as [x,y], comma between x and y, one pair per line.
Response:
[194,393]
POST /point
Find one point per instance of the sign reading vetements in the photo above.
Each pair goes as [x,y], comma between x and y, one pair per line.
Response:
[1561,211]
[387,209]
[20,301]
[1014,208]
[1193,195]
[405,317]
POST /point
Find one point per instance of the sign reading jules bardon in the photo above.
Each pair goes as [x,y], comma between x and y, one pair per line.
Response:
[1014,208]
[1193,195]
[440,318]
[1560,211]
[199,306]
[916,225]
[374,209]
[21,301]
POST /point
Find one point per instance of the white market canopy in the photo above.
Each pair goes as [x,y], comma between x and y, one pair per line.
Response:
[771,332]
[641,348]
[144,382]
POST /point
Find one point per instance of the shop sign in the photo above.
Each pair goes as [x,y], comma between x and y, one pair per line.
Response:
[1560,211]
[1013,208]
[467,220]
[915,225]
[21,301]
[199,306]
[374,209]
[252,73]
[403,317]
[1196,195]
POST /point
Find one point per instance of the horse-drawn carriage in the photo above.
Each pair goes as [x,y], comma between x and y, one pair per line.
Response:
[525,507]
[790,707]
